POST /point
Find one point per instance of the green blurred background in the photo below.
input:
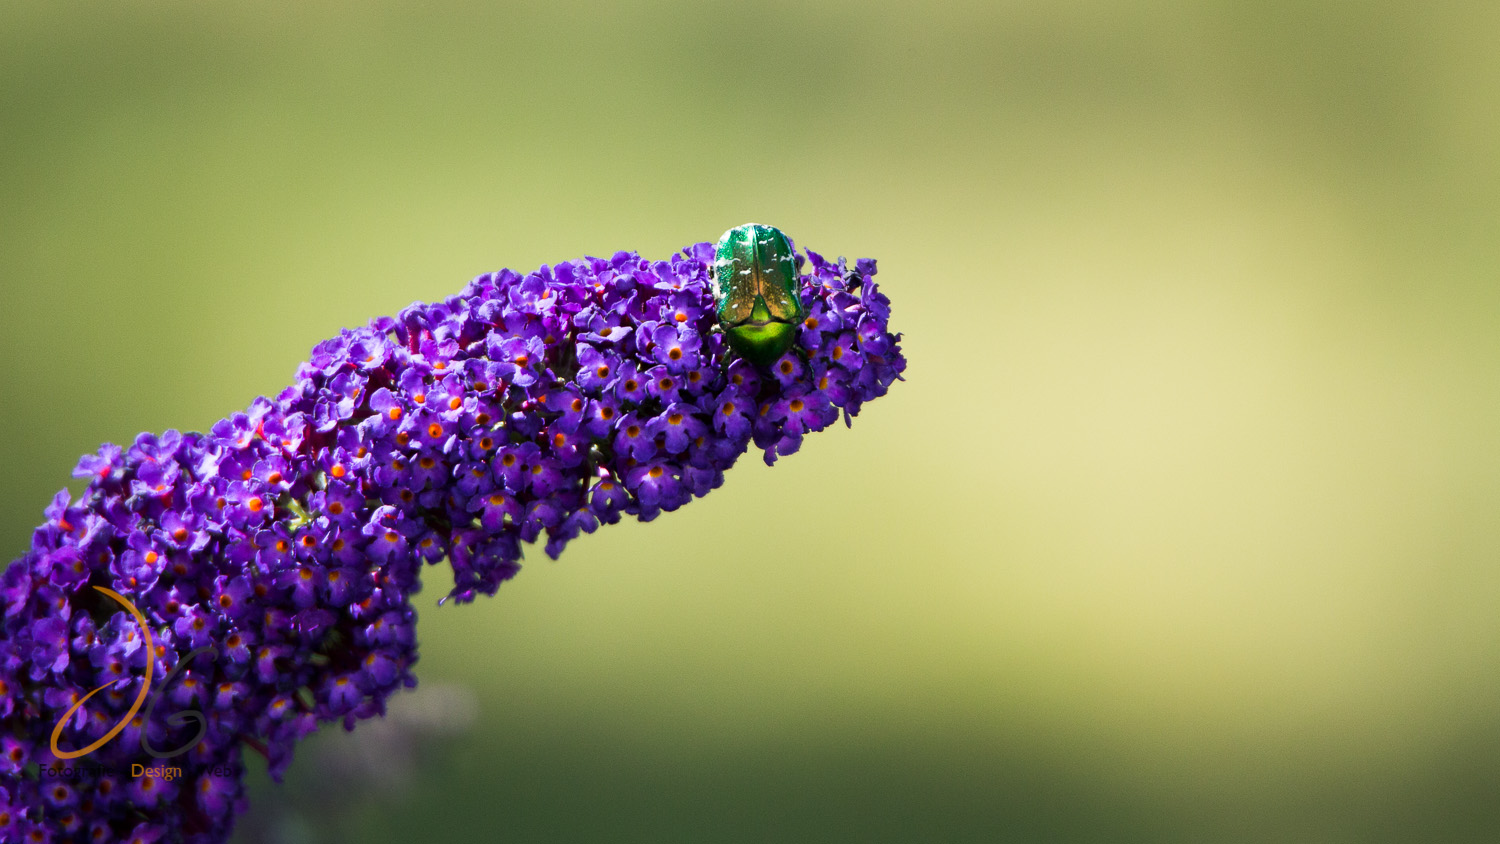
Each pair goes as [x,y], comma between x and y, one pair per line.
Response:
[1183,527]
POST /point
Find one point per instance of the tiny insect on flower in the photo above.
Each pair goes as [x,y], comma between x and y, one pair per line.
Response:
[756,291]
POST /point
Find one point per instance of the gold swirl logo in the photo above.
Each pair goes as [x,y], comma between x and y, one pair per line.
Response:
[140,699]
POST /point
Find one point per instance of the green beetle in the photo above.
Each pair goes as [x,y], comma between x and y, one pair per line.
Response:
[756,295]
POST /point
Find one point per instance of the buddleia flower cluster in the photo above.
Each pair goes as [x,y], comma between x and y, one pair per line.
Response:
[275,557]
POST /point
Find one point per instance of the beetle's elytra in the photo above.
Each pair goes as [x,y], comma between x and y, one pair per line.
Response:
[756,295]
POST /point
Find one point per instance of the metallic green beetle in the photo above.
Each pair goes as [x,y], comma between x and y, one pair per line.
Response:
[756,295]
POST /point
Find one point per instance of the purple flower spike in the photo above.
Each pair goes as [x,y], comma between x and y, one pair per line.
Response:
[274,559]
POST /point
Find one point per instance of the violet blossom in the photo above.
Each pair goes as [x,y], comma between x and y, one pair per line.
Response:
[275,557]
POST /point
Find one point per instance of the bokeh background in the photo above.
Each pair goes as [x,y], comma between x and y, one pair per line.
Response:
[1183,527]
